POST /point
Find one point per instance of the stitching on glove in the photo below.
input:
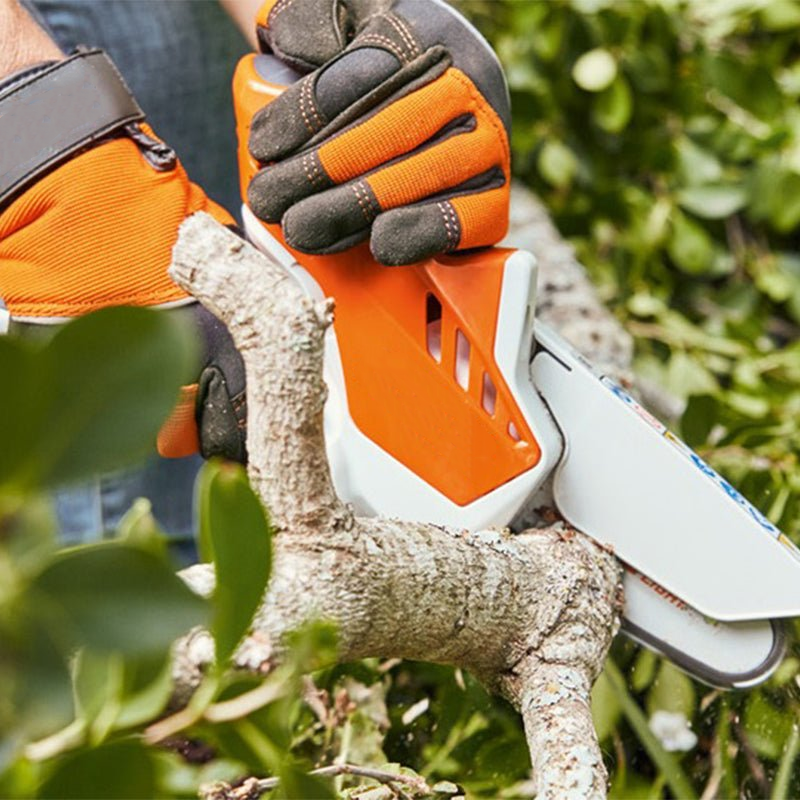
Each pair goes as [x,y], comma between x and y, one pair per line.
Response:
[307,121]
[363,201]
[446,211]
[456,227]
[312,104]
[405,34]
[312,171]
[279,8]
[316,171]
[304,162]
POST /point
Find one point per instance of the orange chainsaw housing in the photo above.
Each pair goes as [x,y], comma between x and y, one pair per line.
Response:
[417,348]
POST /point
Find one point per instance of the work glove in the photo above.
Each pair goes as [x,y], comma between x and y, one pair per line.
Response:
[90,205]
[398,133]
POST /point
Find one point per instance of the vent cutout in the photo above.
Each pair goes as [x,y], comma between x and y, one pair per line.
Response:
[433,327]
[462,360]
[488,395]
[513,432]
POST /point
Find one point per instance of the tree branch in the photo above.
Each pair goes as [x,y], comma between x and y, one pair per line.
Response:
[532,615]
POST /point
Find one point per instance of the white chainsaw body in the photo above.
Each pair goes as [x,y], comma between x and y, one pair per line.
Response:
[691,543]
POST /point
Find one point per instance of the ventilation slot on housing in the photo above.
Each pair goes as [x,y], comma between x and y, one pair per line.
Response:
[433,327]
[513,432]
[462,360]
[488,395]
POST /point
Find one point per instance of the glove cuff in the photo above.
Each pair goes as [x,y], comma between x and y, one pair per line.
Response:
[54,110]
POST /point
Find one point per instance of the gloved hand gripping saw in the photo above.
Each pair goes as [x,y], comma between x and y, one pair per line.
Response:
[399,133]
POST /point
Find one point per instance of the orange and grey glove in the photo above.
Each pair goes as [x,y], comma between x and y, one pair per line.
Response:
[90,205]
[399,133]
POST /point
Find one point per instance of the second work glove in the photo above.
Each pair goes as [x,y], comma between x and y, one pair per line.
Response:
[90,205]
[399,133]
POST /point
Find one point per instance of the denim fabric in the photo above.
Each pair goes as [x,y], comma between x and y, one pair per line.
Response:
[178,57]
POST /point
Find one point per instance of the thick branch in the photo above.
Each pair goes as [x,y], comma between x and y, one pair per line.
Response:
[279,331]
[532,615]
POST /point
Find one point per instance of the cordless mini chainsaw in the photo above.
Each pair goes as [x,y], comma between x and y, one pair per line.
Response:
[449,403]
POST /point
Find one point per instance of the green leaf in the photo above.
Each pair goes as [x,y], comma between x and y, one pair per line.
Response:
[767,727]
[147,702]
[690,246]
[23,404]
[595,70]
[115,771]
[696,164]
[92,398]
[687,376]
[557,163]
[98,681]
[701,414]
[786,671]
[671,691]
[643,304]
[313,646]
[114,597]
[644,670]
[780,15]
[748,405]
[28,536]
[713,202]
[614,105]
[139,527]
[237,530]
[34,675]
[750,85]
[606,709]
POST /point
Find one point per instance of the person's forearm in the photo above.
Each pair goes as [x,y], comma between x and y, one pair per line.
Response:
[22,41]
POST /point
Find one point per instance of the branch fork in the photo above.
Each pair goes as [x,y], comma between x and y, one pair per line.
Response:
[532,615]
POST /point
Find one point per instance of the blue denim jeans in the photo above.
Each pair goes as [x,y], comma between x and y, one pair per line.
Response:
[178,58]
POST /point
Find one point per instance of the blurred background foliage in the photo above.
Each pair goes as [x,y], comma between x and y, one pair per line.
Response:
[664,137]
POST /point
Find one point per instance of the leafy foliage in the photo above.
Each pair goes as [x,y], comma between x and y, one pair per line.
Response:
[664,139]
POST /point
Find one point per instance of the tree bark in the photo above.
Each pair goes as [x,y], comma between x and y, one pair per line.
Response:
[532,615]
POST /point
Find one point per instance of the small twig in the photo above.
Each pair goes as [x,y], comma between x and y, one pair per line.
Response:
[175,723]
[315,698]
[246,703]
[783,777]
[753,764]
[715,778]
[738,115]
[253,788]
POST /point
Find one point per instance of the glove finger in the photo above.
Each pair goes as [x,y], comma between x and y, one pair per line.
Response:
[303,33]
[344,90]
[411,233]
[178,436]
[424,114]
[337,219]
